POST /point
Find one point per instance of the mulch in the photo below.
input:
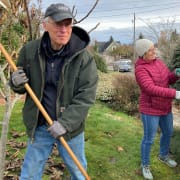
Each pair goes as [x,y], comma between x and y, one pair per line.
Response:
[3,101]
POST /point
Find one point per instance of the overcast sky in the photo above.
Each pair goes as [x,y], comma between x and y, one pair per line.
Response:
[119,14]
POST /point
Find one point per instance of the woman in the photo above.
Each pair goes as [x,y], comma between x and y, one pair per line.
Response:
[155,103]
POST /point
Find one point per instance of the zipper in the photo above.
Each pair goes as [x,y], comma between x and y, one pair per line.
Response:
[60,86]
[41,67]
[52,66]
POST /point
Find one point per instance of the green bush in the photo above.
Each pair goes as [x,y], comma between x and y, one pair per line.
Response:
[104,89]
[100,62]
[125,94]
[120,91]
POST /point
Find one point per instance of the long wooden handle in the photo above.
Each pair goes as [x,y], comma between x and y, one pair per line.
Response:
[45,114]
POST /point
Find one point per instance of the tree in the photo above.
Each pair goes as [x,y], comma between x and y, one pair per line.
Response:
[141,36]
[123,51]
[164,33]
[11,36]
[9,104]
[175,63]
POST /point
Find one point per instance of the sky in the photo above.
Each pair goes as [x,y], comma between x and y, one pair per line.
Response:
[121,15]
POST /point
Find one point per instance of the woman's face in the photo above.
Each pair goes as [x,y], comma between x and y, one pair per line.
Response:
[150,54]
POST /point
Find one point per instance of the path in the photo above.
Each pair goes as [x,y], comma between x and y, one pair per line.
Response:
[176,115]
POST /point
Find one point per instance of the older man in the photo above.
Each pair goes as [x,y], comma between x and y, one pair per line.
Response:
[63,76]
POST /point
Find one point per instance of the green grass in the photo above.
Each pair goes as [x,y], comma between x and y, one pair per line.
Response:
[113,145]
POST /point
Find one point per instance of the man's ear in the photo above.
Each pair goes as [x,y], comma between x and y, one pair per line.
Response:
[44,25]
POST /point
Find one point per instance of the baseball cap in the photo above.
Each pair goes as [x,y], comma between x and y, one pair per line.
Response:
[58,12]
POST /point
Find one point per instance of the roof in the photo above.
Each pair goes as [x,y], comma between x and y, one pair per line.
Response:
[103,46]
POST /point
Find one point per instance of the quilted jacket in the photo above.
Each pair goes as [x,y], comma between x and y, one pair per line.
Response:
[76,88]
[154,80]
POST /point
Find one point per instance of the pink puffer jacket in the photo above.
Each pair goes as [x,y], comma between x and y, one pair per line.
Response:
[154,78]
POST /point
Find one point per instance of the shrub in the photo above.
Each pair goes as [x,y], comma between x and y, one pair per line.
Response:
[105,88]
[125,94]
[100,62]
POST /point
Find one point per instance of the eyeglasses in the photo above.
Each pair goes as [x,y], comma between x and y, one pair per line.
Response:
[66,23]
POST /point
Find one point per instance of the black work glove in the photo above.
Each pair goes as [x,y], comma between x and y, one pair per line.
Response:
[19,77]
[56,129]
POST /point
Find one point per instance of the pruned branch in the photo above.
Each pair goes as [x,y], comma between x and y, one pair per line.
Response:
[90,11]
[74,12]
[28,18]
[94,28]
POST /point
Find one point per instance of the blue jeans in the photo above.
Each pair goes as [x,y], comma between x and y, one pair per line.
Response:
[150,125]
[39,151]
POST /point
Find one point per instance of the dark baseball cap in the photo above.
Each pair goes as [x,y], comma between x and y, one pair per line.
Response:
[58,12]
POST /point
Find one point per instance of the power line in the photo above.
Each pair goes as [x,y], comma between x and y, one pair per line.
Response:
[130,8]
[99,6]
[94,15]
[126,3]
[131,13]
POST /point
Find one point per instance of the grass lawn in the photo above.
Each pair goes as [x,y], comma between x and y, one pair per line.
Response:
[112,146]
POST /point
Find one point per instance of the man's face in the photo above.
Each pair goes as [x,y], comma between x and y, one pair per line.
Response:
[59,32]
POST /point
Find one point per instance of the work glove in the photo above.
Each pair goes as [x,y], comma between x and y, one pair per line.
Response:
[177,72]
[56,129]
[19,77]
[177,94]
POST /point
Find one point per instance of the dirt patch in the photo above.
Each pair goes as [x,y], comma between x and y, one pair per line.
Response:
[3,100]
[176,116]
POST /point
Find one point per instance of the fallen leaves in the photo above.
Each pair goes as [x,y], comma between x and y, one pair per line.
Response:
[119,149]
[14,159]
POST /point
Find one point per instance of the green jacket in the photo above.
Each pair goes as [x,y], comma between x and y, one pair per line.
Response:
[76,88]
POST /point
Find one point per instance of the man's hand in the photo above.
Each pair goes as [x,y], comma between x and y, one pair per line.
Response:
[56,129]
[19,77]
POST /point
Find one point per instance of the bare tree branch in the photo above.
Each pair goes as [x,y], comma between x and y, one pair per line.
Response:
[163,32]
[74,12]
[29,20]
[90,11]
[94,28]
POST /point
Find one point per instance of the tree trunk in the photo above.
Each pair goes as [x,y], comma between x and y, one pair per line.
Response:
[4,133]
[9,104]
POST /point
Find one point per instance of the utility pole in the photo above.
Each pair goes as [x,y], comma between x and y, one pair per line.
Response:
[134,35]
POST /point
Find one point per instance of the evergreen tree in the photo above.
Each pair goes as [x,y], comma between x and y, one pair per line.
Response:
[175,63]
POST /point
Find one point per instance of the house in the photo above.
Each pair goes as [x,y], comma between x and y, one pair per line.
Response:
[107,47]
[104,48]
